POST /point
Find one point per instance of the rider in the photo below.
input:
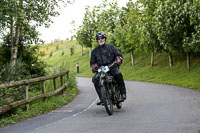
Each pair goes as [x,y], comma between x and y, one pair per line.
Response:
[102,55]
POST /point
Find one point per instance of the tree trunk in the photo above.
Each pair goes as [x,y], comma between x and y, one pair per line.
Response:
[14,48]
[188,60]
[11,32]
[81,50]
[170,59]
[152,58]
[132,58]
[90,50]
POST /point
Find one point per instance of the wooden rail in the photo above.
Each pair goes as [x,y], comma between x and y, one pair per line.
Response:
[27,100]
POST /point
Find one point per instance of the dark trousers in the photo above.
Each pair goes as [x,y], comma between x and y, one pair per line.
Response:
[117,76]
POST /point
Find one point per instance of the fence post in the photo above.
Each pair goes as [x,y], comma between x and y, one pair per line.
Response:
[27,105]
[61,79]
[67,76]
[77,67]
[54,83]
[43,89]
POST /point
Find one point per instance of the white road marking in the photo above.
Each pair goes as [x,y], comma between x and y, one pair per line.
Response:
[70,116]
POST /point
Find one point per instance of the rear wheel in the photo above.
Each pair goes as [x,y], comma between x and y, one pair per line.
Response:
[106,97]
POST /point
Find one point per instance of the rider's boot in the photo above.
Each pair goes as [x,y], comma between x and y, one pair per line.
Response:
[123,97]
[123,93]
[100,102]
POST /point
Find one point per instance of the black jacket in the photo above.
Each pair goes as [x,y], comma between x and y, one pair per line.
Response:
[104,55]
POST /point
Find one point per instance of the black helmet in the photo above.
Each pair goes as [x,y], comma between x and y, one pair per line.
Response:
[101,34]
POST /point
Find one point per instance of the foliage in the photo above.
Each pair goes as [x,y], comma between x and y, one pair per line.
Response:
[20,18]
[149,39]
[86,31]
[101,18]
[72,50]
[10,74]
[156,25]
[170,24]
[28,65]
[133,28]
[107,18]
[191,37]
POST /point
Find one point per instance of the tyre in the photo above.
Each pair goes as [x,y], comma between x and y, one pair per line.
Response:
[106,97]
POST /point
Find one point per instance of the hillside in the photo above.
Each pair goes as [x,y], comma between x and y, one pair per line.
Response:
[161,72]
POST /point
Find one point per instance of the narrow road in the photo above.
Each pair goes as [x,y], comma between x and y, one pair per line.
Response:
[149,108]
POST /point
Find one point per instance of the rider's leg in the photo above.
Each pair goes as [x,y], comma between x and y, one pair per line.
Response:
[120,81]
[95,80]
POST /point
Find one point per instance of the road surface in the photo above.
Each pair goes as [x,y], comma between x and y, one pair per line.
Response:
[149,108]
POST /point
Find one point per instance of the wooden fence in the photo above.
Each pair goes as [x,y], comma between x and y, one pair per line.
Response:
[26,84]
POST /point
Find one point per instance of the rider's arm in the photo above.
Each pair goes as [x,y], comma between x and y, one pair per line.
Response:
[92,58]
[116,51]
[118,55]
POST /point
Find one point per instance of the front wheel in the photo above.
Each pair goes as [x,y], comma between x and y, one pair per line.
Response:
[106,97]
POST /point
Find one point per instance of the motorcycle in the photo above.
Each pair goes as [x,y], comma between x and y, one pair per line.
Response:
[110,92]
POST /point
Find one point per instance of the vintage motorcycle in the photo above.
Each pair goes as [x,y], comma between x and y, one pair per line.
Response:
[109,89]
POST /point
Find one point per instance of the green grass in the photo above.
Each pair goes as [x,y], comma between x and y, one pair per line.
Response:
[161,72]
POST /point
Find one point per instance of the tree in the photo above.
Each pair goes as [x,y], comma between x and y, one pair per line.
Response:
[169,26]
[127,33]
[191,35]
[24,16]
[88,28]
[100,18]
[149,37]
[107,18]
[80,38]
[175,28]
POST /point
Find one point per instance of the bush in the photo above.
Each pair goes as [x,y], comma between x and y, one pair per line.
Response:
[11,74]
[51,54]
[72,51]
[42,53]
[28,64]
[63,53]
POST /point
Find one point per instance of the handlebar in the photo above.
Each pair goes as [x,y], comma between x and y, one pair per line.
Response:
[112,64]
[109,66]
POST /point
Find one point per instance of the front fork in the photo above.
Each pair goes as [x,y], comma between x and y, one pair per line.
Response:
[101,82]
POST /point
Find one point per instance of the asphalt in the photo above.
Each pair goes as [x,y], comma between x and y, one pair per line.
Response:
[149,108]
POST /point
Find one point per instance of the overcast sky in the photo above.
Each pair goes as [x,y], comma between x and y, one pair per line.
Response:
[61,27]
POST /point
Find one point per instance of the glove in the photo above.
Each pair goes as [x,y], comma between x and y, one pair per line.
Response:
[94,67]
[119,60]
